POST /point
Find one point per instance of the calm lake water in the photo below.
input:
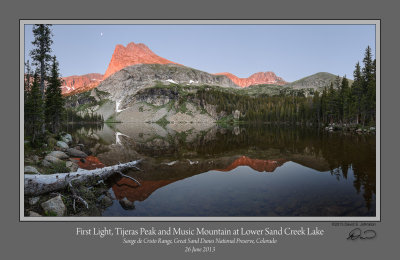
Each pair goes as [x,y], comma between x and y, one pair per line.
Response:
[249,170]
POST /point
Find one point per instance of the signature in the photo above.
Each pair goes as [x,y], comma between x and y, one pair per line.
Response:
[359,234]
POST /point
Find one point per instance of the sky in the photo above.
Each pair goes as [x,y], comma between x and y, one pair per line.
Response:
[291,51]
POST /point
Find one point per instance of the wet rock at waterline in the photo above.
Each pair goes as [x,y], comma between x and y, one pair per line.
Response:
[54,206]
[105,201]
[236,114]
[126,204]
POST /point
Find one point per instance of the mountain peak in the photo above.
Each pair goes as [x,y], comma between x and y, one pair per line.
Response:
[130,55]
[267,77]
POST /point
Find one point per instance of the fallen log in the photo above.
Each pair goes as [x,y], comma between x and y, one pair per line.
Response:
[39,184]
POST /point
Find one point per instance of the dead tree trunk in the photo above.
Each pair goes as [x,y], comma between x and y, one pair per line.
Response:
[40,184]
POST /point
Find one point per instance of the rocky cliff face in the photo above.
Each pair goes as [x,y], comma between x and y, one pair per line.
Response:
[122,57]
[81,83]
[132,54]
[130,80]
[255,79]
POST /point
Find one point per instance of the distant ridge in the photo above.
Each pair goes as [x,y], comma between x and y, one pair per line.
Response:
[139,53]
[80,83]
[316,81]
[258,78]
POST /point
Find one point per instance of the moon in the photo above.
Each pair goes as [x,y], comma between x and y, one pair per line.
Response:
[101,34]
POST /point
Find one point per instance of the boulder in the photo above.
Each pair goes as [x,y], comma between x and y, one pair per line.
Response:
[46,163]
[73,167]
[111,196]
[59,155]
[52,159]
[54,205]
[67,138]
[34,214]
[106,201]
[76,153]
[33,200]
[30,169]
[62,144]
[236,114]
[236,130]
[126,204]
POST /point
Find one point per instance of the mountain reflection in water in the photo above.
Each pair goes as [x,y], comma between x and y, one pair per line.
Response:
[251,170]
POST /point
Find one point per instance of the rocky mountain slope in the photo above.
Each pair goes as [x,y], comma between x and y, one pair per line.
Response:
[173,93]
[316,81]
[257,78]
[129,80]
[139,53]
[132,95]
[122,57]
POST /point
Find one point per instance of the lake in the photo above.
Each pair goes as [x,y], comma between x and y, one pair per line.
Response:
[245,170]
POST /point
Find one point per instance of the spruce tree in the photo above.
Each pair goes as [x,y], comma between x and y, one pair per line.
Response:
[357,94]
[34,112]
[54,100]
[27,79]
[345,99]
[371,93]
[369,86]
[41,53]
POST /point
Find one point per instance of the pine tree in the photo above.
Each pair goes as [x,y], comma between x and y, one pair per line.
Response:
[332,104]
[371,93]
[34,112]
[367,85]
[357,94]
[345,99]
[54,100]
[41,54]
[27,79]
[317,107]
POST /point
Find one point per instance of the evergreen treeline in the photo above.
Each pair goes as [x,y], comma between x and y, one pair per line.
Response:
[43,100]
[338,103]
[72,116]
[33,108]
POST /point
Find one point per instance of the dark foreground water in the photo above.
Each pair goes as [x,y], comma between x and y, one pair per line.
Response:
[251,170]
